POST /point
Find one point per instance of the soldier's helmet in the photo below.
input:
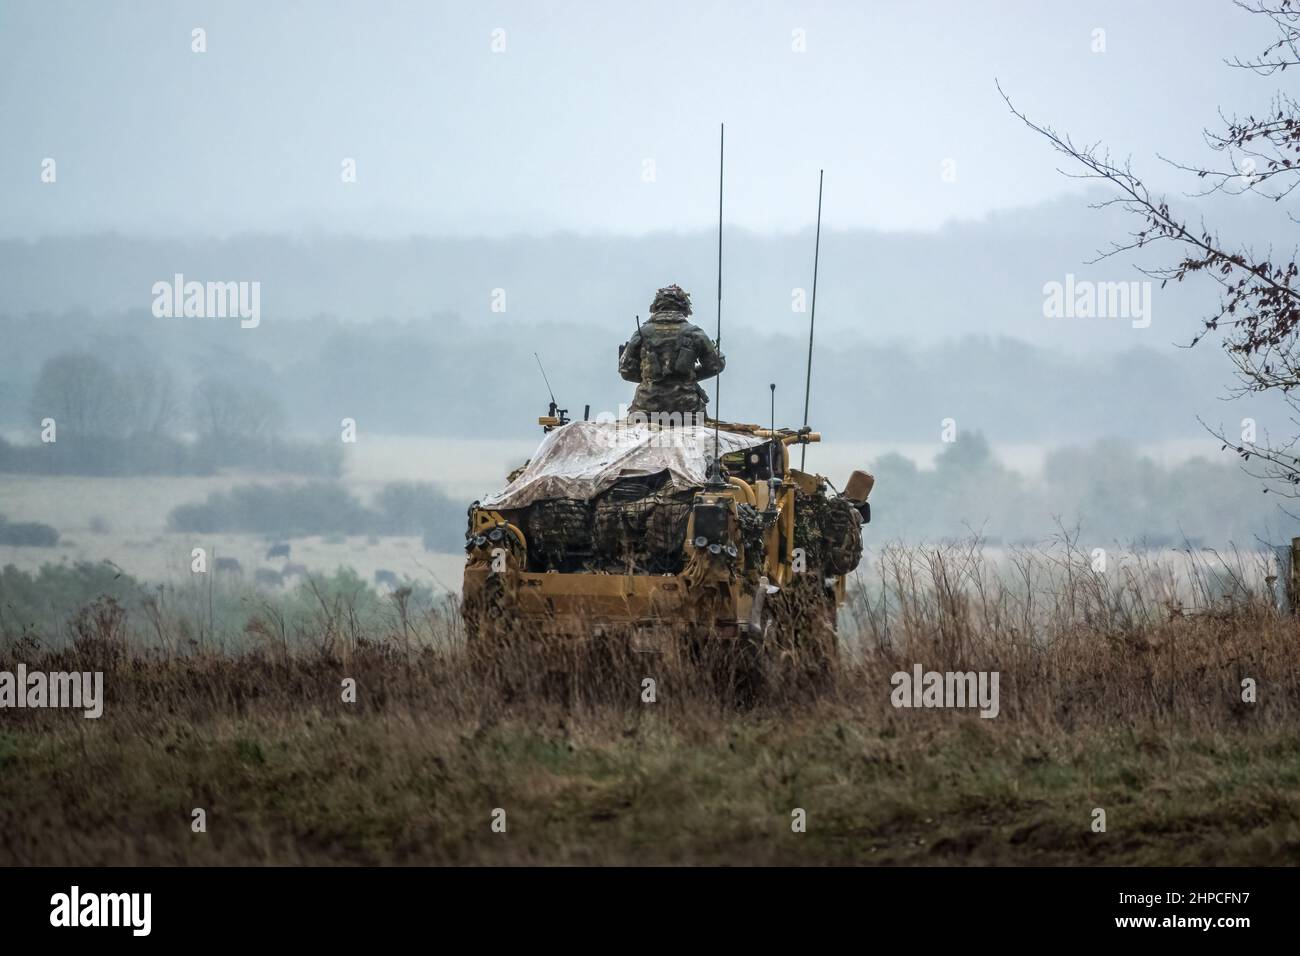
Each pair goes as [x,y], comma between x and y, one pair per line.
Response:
[672,298]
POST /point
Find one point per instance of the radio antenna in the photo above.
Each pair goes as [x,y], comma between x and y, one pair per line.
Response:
[545,379]
[812,321]
[717,384]
[771,464]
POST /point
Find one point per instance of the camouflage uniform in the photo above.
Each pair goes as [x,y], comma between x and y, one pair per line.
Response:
[668,356]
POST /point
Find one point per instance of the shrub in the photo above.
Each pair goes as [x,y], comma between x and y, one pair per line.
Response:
[284,511]
[324,508]
[27,534]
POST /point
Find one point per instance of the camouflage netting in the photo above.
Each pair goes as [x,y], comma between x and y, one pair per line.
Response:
[557,529]
[646,533]
[844,532]
[619,525]
[752,527]
[830,532]
[640,522]
[666,529]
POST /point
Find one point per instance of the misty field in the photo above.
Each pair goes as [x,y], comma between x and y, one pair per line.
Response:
[998,491]
[125,519]
[1112,698]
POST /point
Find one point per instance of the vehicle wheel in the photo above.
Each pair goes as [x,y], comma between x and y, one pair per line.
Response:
[487,634]
[731,668]
[806,646]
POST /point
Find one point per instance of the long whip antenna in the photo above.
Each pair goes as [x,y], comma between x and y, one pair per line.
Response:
[812,321]
[717,383]
[771,438]
[544,378]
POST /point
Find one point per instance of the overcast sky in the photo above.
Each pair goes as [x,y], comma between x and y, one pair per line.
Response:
[555,132]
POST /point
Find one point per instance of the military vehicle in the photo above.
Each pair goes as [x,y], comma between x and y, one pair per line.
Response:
[667,532]
[667,536]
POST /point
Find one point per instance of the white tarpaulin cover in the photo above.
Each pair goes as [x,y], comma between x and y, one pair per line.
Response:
[582,459]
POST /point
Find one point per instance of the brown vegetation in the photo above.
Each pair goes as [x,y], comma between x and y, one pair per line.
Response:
[1112,696]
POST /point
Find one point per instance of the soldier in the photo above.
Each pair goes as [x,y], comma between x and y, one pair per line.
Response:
[667,357]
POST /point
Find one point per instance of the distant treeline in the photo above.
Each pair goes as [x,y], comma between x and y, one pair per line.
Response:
[450,376]
[986,274]
[88,415]
[145,454]
[325,508]
[1108,491]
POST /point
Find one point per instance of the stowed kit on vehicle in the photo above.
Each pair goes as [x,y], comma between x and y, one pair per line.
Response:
[630,528]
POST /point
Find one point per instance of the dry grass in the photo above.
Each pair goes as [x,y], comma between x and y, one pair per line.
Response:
[1119,690]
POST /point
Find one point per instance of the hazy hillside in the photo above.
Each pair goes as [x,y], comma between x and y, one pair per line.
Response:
[447,375]
[983,277]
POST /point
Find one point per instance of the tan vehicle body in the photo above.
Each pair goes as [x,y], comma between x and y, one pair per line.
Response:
[721,591]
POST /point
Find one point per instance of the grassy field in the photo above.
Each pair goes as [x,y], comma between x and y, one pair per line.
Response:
[315,787]
[326,789]
[1127,708]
